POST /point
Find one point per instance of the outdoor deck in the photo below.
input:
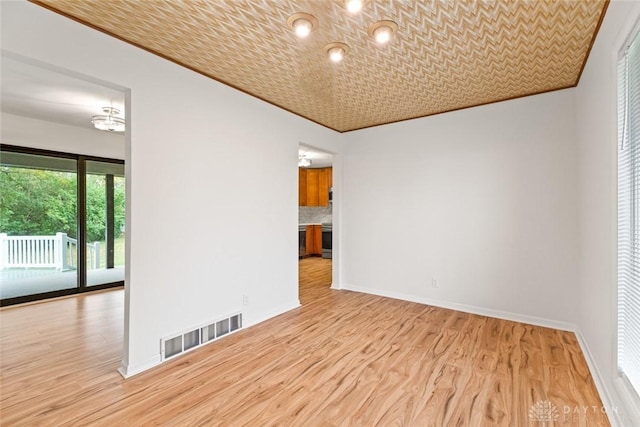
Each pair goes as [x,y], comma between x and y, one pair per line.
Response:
[17,282]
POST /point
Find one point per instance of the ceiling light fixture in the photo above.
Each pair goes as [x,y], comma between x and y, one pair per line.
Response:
[303,162]
[302,24]
[109,121]
[336,51]
[382,31]
[354,6]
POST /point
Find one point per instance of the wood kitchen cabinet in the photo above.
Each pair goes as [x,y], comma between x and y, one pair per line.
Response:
[302,187]
[313,186]
[314,240]
[323,187]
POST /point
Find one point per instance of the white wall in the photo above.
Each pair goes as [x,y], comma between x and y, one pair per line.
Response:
[33,133]
[484,200]
[596,124]
[212,183]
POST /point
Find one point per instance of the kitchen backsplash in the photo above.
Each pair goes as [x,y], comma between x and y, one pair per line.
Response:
[314,215]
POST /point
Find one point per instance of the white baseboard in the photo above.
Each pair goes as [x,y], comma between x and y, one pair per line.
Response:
[603,390]
[127,371]
[532,320]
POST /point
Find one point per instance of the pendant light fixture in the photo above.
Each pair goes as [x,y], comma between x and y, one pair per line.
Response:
[108,121]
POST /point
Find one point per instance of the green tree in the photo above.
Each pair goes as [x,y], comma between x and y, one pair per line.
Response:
[96,208]
[119,204]
[37,202]
[43,202]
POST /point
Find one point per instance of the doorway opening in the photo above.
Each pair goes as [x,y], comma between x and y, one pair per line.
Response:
[62,181]
[315,223]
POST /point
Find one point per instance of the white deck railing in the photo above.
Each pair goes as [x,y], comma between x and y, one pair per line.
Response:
[59,251]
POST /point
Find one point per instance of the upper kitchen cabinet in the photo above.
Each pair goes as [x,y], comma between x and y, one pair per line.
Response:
[323,186]
[314,186]
[302,187]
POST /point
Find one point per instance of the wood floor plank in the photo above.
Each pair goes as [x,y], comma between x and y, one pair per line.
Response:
[342,359]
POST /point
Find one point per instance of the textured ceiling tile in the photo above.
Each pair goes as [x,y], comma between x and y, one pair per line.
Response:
[446,55]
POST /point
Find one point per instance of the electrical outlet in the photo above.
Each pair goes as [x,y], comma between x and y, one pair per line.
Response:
[245,299]
[434,282]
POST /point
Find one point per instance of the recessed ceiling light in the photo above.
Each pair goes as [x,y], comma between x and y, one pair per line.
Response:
[382,31]
[354,6]
[302,24]
[336,51]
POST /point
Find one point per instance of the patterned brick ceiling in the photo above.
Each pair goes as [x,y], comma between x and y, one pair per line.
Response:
[446,55]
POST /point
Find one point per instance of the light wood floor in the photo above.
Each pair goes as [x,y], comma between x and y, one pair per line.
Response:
[343,359]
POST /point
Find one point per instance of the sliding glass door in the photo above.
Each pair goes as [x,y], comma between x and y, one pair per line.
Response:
[38,224]
[104,217]
[61,224]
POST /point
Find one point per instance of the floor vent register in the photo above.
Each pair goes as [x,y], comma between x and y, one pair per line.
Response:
[178,344]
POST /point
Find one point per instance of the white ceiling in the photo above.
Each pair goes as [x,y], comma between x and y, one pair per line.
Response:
[319,159]
[37,92]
